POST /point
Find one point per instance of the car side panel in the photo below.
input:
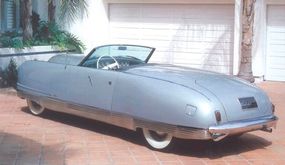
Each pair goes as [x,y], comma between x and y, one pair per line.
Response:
[161,101]
[47,79]
[91,87]
[72,84]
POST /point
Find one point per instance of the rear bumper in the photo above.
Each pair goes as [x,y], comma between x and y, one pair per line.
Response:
[219,132]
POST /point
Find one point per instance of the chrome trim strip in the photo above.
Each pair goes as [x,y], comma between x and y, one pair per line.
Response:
[118,119]
[216,133]
[21,87]
[181,132]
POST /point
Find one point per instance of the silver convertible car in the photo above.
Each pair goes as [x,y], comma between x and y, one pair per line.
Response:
[116,84]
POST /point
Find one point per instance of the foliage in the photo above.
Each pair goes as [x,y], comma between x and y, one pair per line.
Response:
[10,74]
[47,33]
[12,39]
[71,10]
[50,32]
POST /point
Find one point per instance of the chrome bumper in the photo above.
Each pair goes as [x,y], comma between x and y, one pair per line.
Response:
[219,132]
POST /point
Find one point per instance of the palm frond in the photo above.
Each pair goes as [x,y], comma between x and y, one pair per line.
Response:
[74,42]
[71,10]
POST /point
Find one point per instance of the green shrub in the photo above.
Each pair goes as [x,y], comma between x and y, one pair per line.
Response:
[12,39]
[47,33]
[10,74]
[50,32]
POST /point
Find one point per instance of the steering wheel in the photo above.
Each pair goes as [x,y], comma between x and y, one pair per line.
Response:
[109,66]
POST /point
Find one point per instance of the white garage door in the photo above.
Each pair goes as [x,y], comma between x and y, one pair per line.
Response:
[275,61]
[199,36]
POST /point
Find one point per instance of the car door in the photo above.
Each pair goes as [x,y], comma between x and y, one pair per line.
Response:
[90,87]
[92,82]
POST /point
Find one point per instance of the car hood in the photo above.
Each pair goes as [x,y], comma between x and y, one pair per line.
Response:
[227,89]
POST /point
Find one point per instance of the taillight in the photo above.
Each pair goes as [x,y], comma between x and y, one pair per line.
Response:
[218,116]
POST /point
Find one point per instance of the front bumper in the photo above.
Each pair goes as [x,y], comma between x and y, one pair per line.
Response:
[219,132]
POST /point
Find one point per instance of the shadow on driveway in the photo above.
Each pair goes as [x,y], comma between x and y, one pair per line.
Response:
[17,149]
[196,148]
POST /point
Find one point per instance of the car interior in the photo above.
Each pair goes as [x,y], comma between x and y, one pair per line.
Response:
[112,62]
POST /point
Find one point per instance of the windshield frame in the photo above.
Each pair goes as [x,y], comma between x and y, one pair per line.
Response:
[93,50]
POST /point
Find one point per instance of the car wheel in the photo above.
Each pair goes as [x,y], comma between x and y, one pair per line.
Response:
[157,140]
[35,108]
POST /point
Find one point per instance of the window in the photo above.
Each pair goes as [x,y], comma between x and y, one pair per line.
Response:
[10,13]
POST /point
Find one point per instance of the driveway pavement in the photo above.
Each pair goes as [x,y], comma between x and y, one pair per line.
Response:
[63,139]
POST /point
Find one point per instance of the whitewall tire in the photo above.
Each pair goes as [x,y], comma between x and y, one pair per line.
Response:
[157,140]
[35,108]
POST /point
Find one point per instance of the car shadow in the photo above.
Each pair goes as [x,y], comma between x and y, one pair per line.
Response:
[17,149]
[226,147]
[195,148]
[91,125]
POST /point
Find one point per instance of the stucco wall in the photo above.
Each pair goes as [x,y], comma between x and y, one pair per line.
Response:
[93,30]
[259,39]
[260,36]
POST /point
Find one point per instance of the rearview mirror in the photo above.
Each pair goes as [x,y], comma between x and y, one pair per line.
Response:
[122,48]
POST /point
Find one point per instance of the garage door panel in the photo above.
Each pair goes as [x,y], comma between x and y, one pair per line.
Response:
[278,13]
[277,28]
[198,62]
[276,23]
[125,12]
[185,41]
[191,44]
[275,38]
[277,74]
[212,67]
[178,32]
[184,11]
[188,11]
[275,67]
[122,33]
[276,54]
[186,47]
[209,31]
[276,62]
[276,47]
[156,11]
[203,58]
[193,51]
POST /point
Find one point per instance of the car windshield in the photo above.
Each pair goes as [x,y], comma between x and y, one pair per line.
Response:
[123,55]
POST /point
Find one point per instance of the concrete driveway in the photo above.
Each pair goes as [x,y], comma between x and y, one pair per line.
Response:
[63,139]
